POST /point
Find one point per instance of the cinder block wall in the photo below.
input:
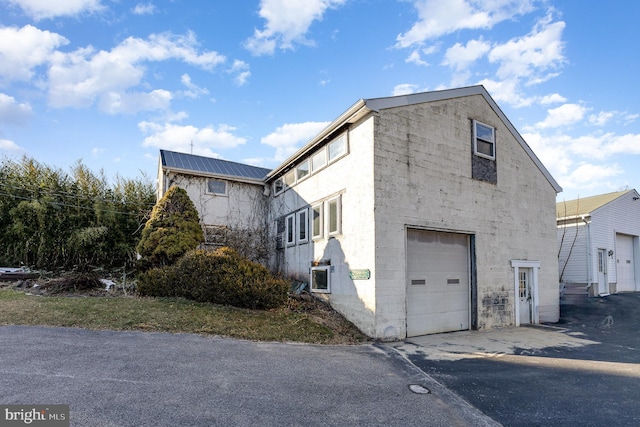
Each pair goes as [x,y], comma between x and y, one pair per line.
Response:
[423,178]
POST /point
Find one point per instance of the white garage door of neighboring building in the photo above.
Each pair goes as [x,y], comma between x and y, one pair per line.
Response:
[625,264]
[438,289]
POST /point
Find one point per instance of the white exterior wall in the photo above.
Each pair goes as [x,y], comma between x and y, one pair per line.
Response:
[574,255]
[351,177]
[622,215]
[423,179]
[243,206]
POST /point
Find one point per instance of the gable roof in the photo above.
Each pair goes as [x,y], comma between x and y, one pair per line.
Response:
[580,207]
[365,106]
[208,166]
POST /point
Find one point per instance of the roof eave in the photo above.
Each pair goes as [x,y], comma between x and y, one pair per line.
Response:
[245,180]
[354,113]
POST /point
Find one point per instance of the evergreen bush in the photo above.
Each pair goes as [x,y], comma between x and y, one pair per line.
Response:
[219,277]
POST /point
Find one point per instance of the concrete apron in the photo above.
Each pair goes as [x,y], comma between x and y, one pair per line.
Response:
[502,342]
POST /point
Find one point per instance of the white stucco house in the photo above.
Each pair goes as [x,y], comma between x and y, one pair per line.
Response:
[418,214]
[599,244]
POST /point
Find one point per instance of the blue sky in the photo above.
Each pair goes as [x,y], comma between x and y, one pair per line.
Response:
[111,82]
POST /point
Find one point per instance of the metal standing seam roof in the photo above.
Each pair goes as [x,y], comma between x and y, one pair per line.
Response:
[579,207]
[208,165]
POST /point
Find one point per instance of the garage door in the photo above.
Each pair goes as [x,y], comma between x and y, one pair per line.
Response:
[438,282]
[625,263]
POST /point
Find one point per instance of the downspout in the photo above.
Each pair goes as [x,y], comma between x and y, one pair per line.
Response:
[589,257]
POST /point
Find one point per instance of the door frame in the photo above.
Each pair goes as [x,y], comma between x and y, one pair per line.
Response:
[517,264]
[603,286]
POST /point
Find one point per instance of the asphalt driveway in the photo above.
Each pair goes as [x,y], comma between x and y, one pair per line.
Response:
[157,379]
[584,371]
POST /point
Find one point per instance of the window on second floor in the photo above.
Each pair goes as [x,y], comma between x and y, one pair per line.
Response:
[484,140]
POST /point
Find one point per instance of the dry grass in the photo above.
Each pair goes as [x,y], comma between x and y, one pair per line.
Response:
[305,320]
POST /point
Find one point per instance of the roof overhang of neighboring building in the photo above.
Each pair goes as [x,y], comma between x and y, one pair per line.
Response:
[365,106]
[576,209]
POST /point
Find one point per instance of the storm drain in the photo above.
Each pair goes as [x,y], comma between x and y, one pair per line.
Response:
[418,389]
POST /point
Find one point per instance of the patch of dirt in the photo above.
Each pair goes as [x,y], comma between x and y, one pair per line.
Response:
[321,312]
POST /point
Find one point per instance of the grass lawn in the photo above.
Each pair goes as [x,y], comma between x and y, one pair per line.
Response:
[306,321]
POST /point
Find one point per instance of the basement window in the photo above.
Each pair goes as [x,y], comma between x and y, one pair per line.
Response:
[484,140]
[216,186]
[321,279]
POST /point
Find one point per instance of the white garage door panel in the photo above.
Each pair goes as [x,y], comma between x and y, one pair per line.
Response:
[625,263]
[438,282]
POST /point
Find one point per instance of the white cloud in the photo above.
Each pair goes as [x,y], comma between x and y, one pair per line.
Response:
[565,115]
[205,140]
[461,57]
[404,89]
[602,118]
[287,23]
[23,49]
[554,98]
[241,70]
[287,138]
[552,152]
[8,145]
[530,56]
[12,112]
[589,176]
[194,91]
[41,9]
[507,92]
[134,102]
[79,78]
[437,18]
[144,9]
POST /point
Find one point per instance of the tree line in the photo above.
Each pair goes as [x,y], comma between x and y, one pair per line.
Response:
[53,220]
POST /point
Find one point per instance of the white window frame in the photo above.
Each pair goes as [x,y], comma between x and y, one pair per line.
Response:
[289,179]
[226,186]
[341,139]
[299,168]
[302,225]
[322,152]
[338,225]
[491,140]
[290,229]
[278,186]
[319,208]
[327,269]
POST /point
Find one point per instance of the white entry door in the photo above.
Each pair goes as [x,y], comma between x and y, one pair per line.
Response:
[438,291]
[626,278]
[524,281]
[603,280]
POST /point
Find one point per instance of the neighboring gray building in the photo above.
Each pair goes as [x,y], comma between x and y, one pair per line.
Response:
[420,214]
[599,244]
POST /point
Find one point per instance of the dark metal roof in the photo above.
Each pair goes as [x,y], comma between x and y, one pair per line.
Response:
[208,165]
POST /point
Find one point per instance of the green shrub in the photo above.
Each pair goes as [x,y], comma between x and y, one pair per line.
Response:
[220,277]
[173,229]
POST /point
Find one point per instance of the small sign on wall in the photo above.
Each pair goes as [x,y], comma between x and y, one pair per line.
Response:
[360,274]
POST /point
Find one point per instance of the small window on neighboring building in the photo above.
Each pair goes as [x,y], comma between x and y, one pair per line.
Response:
[316,221]
[216,186]
[290,232]
[278,186]
[321,279]
[303,227]
[319,160]
[335,212]
[337,148]
[302,170]
[484,142]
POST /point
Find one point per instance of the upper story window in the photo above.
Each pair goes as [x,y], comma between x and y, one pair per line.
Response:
[337,147]
[319,160]
[317,225]
[484,140]
[302,170]
[278,186]
[303,227]
[217,186]
[289,178]
[290,229]
[334,208]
